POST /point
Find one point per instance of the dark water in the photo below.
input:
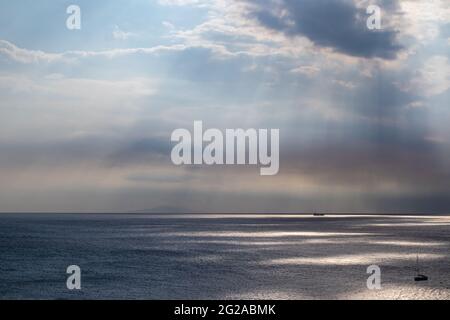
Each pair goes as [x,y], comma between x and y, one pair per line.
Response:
[221,257]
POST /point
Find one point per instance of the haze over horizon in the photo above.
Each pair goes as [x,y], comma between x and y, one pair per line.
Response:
[86,115]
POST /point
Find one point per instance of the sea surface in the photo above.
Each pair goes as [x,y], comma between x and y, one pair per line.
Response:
[223,256]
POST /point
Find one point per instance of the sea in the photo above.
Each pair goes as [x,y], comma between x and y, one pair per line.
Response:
[224,256]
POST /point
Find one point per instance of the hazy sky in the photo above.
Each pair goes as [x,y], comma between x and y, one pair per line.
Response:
[86,115]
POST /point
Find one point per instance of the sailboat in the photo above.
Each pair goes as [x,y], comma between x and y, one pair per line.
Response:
[419,276]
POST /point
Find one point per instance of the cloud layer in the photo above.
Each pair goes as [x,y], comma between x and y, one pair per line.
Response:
[86,116]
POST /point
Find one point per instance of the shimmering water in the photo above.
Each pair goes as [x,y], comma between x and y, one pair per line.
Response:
[222,257]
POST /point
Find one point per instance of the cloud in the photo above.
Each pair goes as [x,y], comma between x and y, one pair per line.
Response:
[61,107]
[119,34]
[27,56]
[90,128]
[381,99]
[168,25]
[309,71]
[424,19]
[141,151]
[335,24]
[183,2]
[344,84]
[434,77]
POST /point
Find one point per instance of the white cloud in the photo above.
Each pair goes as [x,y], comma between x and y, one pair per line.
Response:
[168,25]
[423,18]
[184,2]
[27,56]
[434,77]
[306,70]
[345,84]
[119,34]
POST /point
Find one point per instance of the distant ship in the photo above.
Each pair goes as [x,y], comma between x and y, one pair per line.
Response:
[318,214]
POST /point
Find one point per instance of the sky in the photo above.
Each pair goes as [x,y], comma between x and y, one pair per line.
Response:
[86,115]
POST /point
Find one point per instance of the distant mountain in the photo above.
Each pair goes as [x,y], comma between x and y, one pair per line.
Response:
[165,209]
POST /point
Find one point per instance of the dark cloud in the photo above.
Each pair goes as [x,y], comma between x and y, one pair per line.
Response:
[381,98]
[336,24]
[404,162]
[53,153]
[103,150]
[141,151]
